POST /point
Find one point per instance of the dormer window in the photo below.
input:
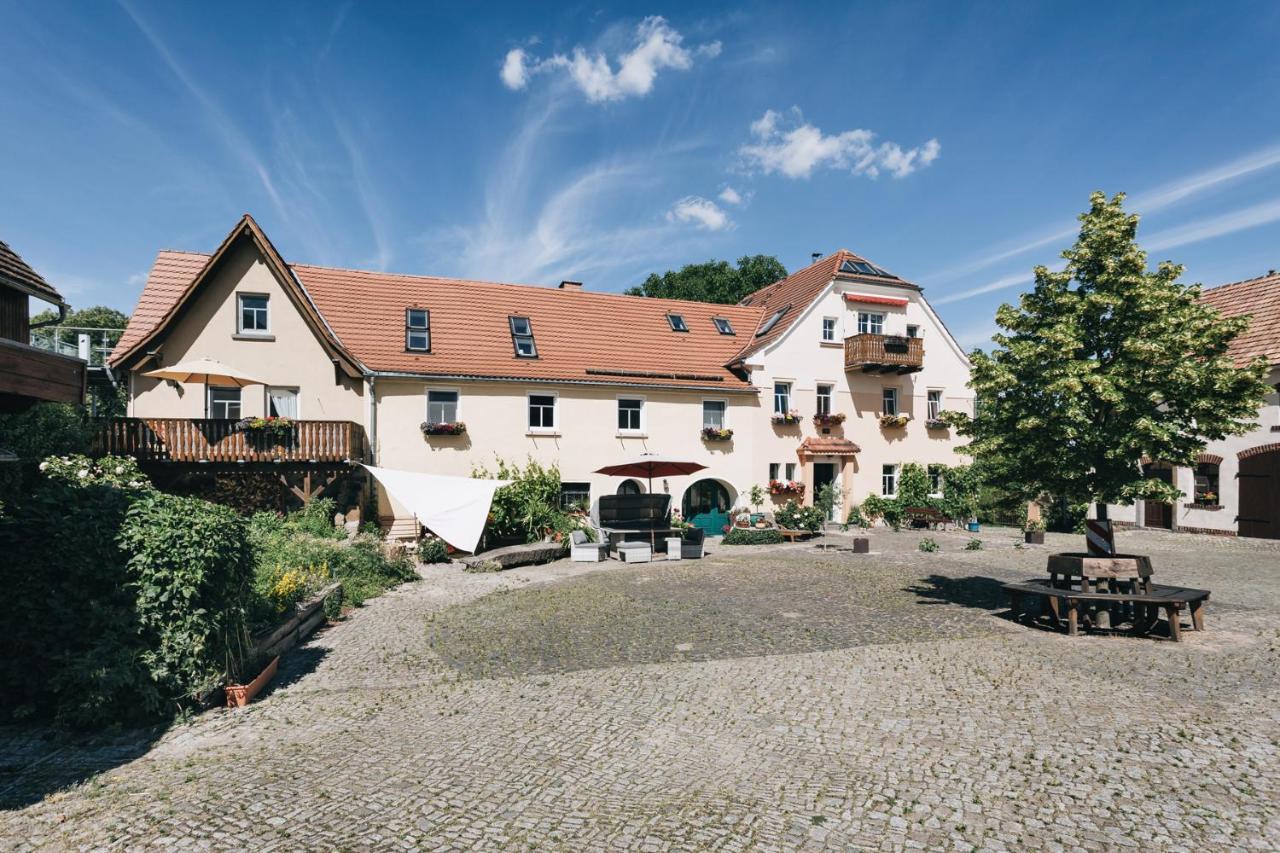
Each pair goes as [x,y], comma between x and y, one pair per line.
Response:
[677,323]
[417,330]
[723,326]
[522,337]
[772,321]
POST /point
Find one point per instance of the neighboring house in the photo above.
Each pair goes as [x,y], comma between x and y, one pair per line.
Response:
[29,375]
[1234,488]
[561,374]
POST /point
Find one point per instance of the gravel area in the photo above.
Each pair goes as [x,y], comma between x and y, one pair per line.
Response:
[769,697]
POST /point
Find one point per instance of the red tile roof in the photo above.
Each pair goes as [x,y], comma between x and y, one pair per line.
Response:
[796,291]
[581,335]
[16,272]
[170,276]
[1259,298]
[828,445]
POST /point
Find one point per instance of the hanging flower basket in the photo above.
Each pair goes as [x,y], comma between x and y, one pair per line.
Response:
[786,487]
[894,421]
[446,428]
[716,434]
[828,419]
[791,417]
[266,426]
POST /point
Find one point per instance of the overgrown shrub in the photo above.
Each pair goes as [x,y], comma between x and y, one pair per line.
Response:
[433,551]
[793,516]
[973,545]
[80,470]
[752,536]
[529,507]
[929,545]
[889,509]
[46,429]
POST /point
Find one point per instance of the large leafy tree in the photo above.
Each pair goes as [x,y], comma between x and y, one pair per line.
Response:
[714,281]
[1103,364]
[103,401]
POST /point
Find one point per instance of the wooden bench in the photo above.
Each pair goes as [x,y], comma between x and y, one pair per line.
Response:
[926,516]
[792,535]
[1171,599]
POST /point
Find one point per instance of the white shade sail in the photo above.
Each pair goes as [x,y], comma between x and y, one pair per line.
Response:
[453,508]
[208,371]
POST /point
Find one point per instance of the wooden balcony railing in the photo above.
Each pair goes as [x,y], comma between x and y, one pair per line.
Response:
[208,440]
[883,354]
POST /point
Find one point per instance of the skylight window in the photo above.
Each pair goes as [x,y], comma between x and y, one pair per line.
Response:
[864,268]
[522,337]
[417,330]
[723,326]
[772,321]
[677,323]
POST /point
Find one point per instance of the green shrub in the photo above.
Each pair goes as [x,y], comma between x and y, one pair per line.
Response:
[752,536]
[46,429]
[929,545]
[889,509]
[855,519]
[316,519]
[529,507]
[80,470]
[913,486]
[793,516]
[973,545]
[434,551]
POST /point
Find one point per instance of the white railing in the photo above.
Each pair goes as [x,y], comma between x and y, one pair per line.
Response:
[92,345]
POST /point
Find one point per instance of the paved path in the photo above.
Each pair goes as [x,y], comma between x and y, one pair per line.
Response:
[767,698]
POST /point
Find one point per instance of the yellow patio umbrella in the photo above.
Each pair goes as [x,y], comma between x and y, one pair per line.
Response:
[208,371]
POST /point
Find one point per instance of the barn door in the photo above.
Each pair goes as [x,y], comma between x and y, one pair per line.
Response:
[1156,514]
[1260,496]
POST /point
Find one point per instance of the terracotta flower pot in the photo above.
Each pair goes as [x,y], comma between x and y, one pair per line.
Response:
[238,695]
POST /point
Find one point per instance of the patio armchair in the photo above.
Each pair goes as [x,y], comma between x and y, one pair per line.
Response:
[583,550]
[691,543]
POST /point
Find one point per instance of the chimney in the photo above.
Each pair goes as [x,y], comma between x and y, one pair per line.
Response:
[814,256]
[571,285]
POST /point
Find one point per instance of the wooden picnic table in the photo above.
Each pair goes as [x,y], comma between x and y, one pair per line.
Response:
[1146,603]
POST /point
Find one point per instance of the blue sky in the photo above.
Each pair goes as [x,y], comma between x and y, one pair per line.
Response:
[951,143]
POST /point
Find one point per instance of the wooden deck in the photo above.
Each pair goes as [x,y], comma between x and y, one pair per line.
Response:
[883,353]
[221,441]
[30,374]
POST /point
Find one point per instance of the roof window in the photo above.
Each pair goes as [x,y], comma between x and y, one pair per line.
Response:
[772,321]
[522,337]
[723,326]
[677,323]
[864,268]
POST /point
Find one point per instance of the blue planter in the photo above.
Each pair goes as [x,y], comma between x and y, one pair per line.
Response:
[973,527]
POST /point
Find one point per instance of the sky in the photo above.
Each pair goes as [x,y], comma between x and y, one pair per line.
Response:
[951,143]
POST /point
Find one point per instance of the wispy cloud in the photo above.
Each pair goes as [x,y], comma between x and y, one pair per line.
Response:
[729,195]
[657,47]
[702,212]
[370,201]
[786,143]
[1145,202]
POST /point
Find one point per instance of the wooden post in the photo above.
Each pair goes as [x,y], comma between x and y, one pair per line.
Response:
[1173,613]
[1197,615]
[1073,618]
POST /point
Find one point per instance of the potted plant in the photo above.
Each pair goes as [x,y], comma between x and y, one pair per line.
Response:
[791,417]
[716,434]
[756,496]
[825,419]
[894,421]
[269,427]
[239,695]
[786,487]
[443,428]
[1033,532]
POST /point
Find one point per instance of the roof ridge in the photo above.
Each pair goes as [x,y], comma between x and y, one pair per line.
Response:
[1257,278]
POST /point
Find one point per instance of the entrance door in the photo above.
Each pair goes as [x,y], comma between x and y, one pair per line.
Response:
[824,473]
[1259,513]
[706,505]
[1154,513]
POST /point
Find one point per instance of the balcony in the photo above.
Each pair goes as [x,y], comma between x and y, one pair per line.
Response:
[224,441]
[883,353]
[28,374]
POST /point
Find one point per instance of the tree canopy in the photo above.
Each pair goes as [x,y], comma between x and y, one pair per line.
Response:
[95,317]
[713,281]
[1102,365]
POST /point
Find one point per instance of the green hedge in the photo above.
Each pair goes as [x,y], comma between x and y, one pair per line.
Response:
[751,536]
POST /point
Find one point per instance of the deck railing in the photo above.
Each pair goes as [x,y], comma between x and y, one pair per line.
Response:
[210,440]
[883,353]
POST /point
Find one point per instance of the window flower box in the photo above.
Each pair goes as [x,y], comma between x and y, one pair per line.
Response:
[786,487]
[1212,506]
[444,428]
[791,417]
[716,434]
[894,421]
[266,426]
[936,423]
[828,419]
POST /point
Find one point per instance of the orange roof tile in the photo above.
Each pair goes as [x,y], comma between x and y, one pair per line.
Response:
[169,278]
[796,291]
[16,271]
[1259,298]
[828,445]
[581,336]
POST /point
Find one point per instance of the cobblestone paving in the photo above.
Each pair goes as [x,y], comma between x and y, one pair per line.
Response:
[765,698]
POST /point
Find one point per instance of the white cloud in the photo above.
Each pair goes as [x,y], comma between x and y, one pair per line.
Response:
[657,47]
[729,195]
[515,73]
[703,213]
[795,148]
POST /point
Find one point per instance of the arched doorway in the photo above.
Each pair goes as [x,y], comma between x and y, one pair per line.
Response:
[706,504]
[1259,479]
[630,487]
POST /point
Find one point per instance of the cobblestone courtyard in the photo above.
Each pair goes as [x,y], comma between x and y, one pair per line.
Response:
[763,698]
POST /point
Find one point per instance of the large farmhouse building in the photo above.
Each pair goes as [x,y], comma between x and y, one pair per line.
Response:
[418,373]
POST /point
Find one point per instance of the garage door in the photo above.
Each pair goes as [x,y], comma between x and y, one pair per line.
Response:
[1259,515]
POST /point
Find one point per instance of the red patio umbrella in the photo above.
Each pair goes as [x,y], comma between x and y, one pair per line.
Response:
[651,465]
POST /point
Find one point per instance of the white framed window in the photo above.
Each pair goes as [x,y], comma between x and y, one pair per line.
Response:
[223,403]
[913,331]
[790,470]
[677,323]
[870,323]
[829,329]
[781,398]
[775,469]
[417,330]
[442,405]
[253,317]
[824,399]
[631,415]
[888,480]
[889,401]
[936,481]
[282,402]
[933,403]
[522,337]
[723,326]
[713,412]
[542,411]
[575,496]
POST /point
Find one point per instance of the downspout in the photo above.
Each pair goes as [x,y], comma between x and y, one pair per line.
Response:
[62,316]
[371,383]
